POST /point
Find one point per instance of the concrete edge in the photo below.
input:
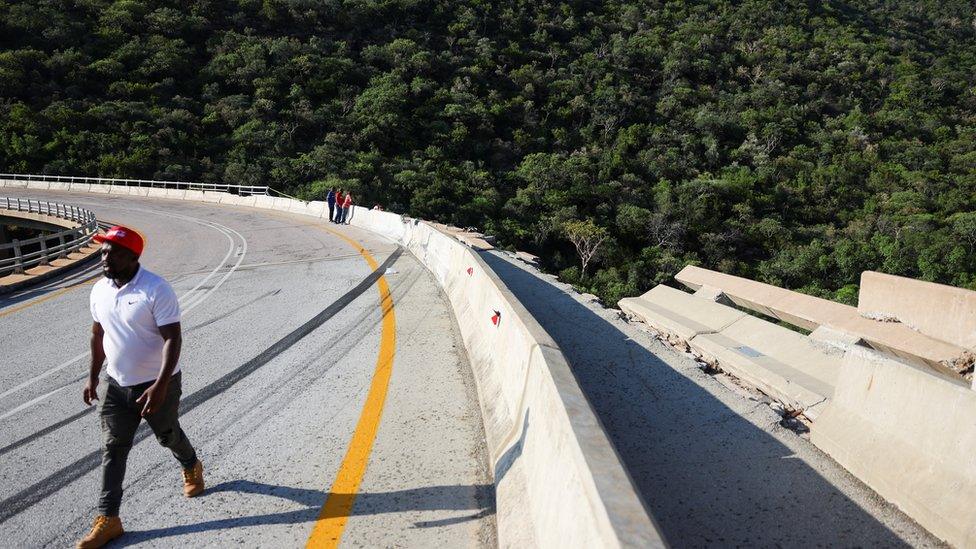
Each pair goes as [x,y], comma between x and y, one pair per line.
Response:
[888,418]
[604,464]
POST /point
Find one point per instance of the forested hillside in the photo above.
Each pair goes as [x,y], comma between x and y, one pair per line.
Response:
[797,142]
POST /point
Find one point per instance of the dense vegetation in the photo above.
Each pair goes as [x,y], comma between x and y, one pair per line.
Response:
[797,142]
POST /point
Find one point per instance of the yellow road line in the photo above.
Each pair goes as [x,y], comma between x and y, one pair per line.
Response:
[335,513]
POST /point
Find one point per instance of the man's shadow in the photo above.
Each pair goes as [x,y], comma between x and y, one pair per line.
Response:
[708,475]
[478,498]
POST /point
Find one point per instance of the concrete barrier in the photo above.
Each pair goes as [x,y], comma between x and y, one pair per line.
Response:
[101,189]
[809,312]
[678,315]
[317,208]
[784,364]
[212,197]
[248,201]
[908,435]
[780,362]
[943,312]
[264,202]
[311,209]
[56,223]
[55,267]
[558,480]
[283,204]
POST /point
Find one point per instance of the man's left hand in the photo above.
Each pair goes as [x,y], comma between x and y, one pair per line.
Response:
[152,399]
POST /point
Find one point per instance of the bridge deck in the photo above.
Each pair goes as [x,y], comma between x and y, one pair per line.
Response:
[271,413]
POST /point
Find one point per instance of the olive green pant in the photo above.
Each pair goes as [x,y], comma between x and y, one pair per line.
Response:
[121,415]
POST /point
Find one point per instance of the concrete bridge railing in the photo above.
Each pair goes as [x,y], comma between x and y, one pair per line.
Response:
[558,480]
[79,228]
[71,182]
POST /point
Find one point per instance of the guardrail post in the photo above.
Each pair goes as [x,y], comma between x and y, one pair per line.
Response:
[73,236]
[63,253]
[45,260]
[18,261]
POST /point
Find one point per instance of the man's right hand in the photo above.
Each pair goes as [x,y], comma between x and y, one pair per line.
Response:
[90,394]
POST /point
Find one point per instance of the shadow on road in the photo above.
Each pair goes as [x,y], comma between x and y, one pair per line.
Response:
[709,475]
[478,498]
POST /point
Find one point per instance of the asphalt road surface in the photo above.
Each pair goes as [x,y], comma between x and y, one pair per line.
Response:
[288,394]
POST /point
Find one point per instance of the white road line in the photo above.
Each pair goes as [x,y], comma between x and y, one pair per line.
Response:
[46,374]
[240,259]
[230,250]
[223,229]
[30,403]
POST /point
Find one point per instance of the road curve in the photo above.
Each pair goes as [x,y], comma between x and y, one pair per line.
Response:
[284,330]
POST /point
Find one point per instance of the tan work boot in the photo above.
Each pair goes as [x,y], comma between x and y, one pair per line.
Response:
[103,531]
[193,480]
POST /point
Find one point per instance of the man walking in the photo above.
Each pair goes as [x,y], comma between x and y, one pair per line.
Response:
[136,332]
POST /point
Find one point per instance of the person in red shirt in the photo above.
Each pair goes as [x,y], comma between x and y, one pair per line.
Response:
[338,203]
[346,207]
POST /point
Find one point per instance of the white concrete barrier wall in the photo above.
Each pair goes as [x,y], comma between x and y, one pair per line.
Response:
[943,312]
[559,482]
[910,436]
[558,479]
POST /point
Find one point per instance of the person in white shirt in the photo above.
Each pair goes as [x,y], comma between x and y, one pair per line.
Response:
[136,333]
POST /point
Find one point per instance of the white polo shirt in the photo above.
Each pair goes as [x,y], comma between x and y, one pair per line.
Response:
[131,316]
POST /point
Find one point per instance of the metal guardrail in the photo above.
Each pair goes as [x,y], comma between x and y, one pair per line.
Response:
[243,190]
[68,240]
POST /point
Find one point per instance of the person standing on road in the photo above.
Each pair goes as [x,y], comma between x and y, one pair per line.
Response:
[330,199]
[136,333]
[338,215]
[346,207]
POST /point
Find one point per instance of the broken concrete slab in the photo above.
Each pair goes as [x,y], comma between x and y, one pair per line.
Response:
[679,314]
[782,363]
[713,294]
[811,312]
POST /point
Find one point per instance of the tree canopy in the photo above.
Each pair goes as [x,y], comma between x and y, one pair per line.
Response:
[790,141]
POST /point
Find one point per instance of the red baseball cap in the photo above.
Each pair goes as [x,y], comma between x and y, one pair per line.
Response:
[122,236]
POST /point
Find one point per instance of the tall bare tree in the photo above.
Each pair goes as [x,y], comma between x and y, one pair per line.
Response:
[587,237]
